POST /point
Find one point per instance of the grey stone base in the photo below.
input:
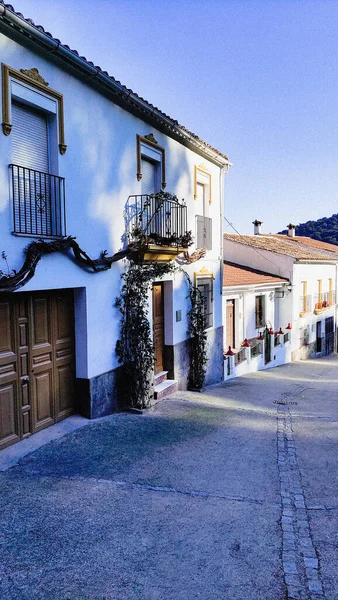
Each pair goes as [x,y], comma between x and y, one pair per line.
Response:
[98,397]
[176,359]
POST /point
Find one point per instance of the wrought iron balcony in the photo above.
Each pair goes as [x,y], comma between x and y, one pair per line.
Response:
[38,202]
[157,219]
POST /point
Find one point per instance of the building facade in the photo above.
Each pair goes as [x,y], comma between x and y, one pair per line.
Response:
[84,156]
[255,326]
[308,304]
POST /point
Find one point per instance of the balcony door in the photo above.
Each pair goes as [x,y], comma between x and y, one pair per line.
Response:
[31,182]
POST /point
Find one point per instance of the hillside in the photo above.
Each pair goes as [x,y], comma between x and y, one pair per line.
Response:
[325,229]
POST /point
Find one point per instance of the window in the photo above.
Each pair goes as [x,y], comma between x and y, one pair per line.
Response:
[205,286]
[202,195]
[150,163]
[260,311]
[150,176]
[33,115]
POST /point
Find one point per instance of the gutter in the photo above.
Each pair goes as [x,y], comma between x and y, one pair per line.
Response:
[252,287]
[54,46]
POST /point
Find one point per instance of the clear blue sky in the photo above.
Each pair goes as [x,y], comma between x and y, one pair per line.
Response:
[258,79]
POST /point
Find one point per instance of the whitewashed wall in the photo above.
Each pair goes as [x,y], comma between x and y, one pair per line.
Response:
[100,172]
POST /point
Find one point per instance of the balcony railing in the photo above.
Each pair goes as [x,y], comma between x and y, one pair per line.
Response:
[322,301]
[256,348]
[38,202]
[159,219]
[240,356]
[305,304]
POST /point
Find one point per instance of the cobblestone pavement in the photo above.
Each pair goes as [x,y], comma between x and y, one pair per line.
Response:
[230,494]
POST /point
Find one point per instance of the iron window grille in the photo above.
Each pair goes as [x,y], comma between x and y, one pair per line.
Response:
[256,348]
[204,285]
[38,202]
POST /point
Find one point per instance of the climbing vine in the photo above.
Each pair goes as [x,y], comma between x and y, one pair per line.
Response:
[198,338]
[135,347]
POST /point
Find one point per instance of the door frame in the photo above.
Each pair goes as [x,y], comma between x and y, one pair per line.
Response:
[161,285]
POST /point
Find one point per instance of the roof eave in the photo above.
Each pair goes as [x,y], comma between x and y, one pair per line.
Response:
[130,101]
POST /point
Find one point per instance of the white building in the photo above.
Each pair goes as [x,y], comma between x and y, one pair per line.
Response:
[77,150]
[254,320]
[311,268]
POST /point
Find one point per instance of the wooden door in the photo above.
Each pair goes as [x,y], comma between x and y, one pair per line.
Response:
[158,326]
[63,354]
[9,417]
[37,362]
[319,336]
[41,353]
[230,324]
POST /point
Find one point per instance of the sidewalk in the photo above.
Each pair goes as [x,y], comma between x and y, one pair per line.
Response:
[199,497]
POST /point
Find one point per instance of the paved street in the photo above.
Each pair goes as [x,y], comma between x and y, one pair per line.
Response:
[230,494]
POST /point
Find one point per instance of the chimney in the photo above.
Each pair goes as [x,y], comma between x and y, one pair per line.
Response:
[291,230]
[257,227]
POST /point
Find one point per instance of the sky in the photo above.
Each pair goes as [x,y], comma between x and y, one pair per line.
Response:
[257,79]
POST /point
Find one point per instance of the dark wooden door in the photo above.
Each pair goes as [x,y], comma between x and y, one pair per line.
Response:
[319,336]
[41,353]
[329,335]
[37,362]
[63,353]
[9,405]
[158,326]
[230,323]
[267,346]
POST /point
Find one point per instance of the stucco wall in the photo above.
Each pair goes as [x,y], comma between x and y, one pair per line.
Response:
[100,168]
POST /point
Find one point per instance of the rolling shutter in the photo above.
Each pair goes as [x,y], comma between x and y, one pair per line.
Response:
[29,138]
[31,183]
[149,172]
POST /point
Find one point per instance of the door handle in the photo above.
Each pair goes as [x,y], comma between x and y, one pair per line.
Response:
[25,379]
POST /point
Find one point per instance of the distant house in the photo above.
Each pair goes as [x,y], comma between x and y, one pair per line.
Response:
[253,315]
[84,156]
[308,304]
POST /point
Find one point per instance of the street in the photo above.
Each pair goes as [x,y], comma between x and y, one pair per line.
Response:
[231,494]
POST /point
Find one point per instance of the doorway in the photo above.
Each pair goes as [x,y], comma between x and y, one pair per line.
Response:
[230,323]
[158,326]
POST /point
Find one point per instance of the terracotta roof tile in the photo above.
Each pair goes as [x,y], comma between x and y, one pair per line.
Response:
[298,247]
[173,123]
[234,274]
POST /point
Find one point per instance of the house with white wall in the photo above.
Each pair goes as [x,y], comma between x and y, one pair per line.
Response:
[255,309]
[82,157]
[308,304]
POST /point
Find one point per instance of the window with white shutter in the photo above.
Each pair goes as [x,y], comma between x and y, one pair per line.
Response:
[149,177]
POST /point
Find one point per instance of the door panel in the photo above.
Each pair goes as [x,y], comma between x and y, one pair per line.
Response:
[158,326]
[41,361]
[24,368]
[36,362]
[230,324]
[9,422]
[64,355]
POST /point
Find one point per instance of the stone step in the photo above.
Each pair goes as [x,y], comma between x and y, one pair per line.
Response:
[169,386]
[159,377]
